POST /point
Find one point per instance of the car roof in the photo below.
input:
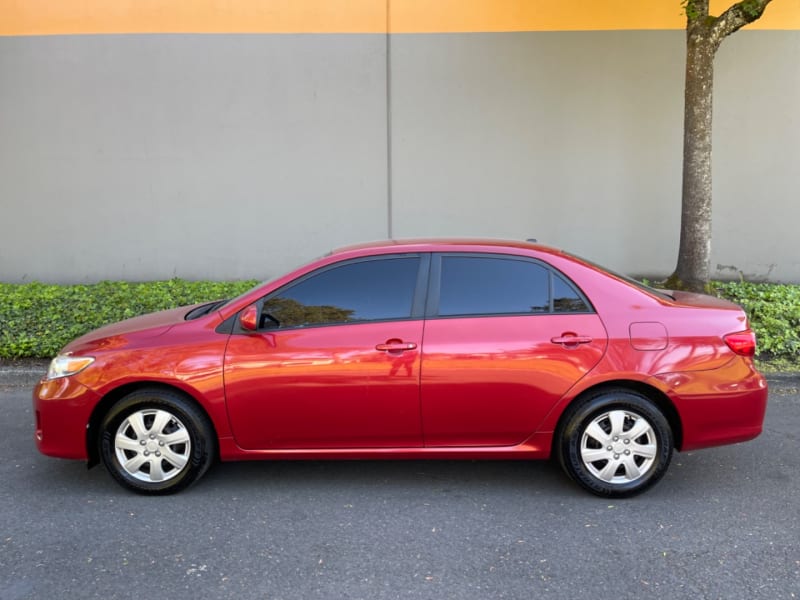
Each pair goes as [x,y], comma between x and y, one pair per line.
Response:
[432,244]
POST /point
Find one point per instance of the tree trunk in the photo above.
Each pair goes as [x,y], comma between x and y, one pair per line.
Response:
[704,34]
[694,255]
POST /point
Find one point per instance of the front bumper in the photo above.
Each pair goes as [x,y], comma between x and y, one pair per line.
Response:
[62,408]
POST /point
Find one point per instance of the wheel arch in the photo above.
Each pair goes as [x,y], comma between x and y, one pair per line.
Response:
[656,396]
[107,402]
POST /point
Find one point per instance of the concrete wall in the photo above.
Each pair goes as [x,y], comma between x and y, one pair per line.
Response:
[570,138]
[229,156]
[757,156]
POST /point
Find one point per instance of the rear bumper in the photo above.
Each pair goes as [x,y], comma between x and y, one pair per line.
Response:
[723,406]
[62,408]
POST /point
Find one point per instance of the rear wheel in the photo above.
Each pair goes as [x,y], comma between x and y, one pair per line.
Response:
[156,442]
[615,444]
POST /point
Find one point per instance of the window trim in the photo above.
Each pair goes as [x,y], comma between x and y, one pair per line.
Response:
[435,286]
[417,301]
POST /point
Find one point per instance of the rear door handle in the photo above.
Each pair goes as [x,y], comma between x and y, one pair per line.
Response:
[571,340]
[395,346]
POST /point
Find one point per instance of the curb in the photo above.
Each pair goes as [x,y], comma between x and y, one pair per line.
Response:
[783,380]
[22,370]
[25,365]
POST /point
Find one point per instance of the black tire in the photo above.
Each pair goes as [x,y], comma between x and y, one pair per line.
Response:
[156,442]
[615,444]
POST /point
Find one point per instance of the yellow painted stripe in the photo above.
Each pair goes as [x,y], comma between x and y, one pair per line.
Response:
[50,17]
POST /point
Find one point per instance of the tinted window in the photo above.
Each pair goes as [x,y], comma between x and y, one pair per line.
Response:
[361,291]
[484,286]
[565,298]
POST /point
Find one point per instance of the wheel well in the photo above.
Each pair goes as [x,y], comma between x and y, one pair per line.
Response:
[656,396]
[111,398]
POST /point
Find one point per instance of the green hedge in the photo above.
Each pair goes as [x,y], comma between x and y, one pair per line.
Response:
[774,313]
[36,319]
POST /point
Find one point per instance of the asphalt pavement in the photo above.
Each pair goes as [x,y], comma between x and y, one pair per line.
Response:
[724,523]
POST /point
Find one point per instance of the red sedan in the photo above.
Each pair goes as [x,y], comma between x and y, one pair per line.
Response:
[470,349]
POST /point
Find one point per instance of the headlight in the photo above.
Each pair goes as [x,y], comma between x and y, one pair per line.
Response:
[65,365]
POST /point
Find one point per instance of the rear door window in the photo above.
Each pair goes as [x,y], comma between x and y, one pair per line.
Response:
[497,285]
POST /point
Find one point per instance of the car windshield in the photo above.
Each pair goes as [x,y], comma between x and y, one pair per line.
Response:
[242,295]
[265,282]
[634,282]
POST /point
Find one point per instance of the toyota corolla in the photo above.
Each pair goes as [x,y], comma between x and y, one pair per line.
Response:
[474,349]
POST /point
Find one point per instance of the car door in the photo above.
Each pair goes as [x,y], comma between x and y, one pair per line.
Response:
[506,337]
[336,363]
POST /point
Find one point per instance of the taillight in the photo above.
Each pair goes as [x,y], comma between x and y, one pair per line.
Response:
[742,343]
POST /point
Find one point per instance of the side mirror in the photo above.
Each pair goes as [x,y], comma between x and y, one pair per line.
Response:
[248,318]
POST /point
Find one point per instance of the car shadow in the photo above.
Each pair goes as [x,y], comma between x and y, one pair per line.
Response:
[519,476]
[710,472]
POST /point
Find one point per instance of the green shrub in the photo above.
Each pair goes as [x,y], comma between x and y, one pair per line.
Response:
[37,320]
[774,313]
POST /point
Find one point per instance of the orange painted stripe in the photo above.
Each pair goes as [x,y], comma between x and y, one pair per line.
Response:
[429,16]
[51,17]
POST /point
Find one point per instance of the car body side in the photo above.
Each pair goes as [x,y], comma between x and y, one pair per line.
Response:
[671,351]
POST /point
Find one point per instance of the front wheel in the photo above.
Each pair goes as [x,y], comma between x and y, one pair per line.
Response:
[615,444]
[156,442]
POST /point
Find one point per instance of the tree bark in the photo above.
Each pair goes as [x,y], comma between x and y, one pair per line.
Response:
[694,255]
[704,34]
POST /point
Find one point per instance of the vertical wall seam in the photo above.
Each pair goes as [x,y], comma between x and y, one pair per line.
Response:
[389,208]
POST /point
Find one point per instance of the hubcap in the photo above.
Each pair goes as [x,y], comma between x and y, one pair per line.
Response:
[152,445]
[619,447]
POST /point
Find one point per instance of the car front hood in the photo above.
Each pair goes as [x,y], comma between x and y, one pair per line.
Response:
[116,334]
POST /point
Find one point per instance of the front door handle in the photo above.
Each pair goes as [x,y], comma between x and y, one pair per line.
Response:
[395,346]
[571,339]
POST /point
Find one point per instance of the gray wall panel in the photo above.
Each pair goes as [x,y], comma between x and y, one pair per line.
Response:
[194,156]
[757,156]
[227,156]
[576,139]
